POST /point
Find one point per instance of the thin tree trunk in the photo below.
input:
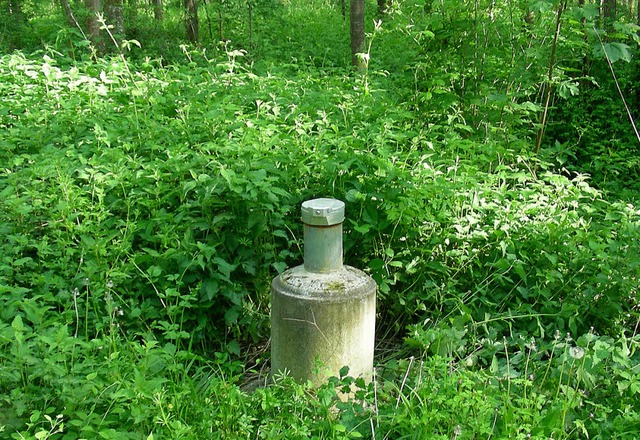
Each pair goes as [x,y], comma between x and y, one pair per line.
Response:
[221,23]
[608,13]
[209,25]
[609,9]
[586,63]
[68,13]
[357,33]
[547,88]
[113,16]
[93,27]
[191,21]
[158,12]
[250,24]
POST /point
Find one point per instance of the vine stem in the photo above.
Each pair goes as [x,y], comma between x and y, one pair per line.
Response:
[547,87]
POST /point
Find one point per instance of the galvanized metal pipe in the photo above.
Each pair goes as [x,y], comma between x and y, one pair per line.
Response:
[322,220]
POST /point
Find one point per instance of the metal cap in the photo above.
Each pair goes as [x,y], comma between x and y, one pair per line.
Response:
[323,212]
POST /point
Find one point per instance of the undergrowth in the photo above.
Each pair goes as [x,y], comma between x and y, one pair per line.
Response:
[146,205]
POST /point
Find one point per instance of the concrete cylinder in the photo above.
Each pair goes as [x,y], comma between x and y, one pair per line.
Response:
[323,313]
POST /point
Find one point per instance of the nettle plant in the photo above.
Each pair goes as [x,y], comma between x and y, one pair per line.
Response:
[454,207]
[141,215]
[556,386]
[445,235]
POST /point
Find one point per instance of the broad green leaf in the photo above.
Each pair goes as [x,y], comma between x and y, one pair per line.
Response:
[520,271]
[613,51]
[363,229]
[17,324]
[231,316]
[280,266]
[339,428]
[224,267]
[233,347]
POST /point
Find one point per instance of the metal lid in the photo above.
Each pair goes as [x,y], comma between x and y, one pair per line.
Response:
[323,212]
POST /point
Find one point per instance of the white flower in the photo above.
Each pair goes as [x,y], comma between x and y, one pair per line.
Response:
[576,352]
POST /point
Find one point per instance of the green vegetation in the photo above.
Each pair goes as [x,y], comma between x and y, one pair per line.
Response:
[149,194]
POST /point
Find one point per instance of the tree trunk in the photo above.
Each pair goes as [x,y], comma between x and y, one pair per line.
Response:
[250,7]
[93,27]
[191,20]
[158,12]
[113,16]
[68,13]
[546,93]
[357,33]
[608,13]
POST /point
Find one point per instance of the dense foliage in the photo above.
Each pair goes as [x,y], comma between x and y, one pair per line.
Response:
[149,196]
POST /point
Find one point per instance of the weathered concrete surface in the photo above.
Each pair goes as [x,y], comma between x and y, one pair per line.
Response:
[321,322]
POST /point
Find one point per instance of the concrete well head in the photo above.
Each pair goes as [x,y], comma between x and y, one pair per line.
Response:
[322,312]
